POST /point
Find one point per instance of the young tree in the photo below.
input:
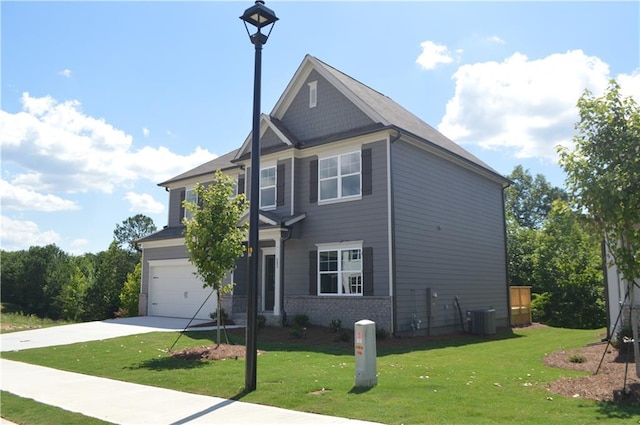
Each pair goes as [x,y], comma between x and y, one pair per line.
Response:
[214,236]
[131,291]
[603,177]
[131,229]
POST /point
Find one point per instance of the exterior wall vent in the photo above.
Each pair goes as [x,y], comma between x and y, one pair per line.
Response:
[483,322]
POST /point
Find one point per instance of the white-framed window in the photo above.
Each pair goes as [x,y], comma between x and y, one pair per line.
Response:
[189,196]
[340,177]
[340,270]
[313,94]
[268,188]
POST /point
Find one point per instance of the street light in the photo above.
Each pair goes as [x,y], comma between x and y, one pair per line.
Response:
[260,17]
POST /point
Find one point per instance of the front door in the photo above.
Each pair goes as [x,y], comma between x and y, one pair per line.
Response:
[269,281]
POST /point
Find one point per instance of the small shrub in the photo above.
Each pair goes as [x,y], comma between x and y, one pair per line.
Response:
[335,325]
[298,332]
[223,315]
[577,358]
[343,335]
[381,333]
[261,321]
[301,320]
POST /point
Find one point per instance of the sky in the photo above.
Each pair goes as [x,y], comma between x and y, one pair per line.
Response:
[101,101]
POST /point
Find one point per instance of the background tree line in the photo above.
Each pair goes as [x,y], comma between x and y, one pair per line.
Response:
[552,248]
[47,282]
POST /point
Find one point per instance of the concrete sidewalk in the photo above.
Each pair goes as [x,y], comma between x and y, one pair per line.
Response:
[126,403]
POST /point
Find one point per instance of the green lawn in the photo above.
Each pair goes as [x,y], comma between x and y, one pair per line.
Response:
[455,381]
[26,411]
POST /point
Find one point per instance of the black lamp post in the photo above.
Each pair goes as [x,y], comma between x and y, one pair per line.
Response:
[260,17]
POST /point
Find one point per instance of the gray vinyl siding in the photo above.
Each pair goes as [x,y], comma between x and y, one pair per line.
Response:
[333,114]
[175,206]
[364,219]
[449,238]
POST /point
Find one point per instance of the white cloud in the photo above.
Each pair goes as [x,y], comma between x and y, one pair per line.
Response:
[15,197]
[143,203]
[145,132]
[64,150]
[496,39]
[630,84]
[433,54]
[65,73]
[528,106]
[17,234]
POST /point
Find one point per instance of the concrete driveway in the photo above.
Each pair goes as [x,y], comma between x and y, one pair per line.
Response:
[92,331]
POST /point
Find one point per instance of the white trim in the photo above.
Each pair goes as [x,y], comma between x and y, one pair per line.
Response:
[339,178]
[293,186]
[313,93]
[389,222]
[163,243]
[339,245]
[170,263]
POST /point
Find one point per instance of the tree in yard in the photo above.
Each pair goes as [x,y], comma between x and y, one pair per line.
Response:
[131,229]
[603,177]
[213,235]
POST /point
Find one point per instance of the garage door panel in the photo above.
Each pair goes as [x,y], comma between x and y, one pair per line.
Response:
[176,292]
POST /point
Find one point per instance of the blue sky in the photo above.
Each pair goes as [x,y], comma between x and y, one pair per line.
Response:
[103,100]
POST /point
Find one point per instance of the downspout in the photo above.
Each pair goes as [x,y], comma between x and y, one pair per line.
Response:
[607,298]
[394,294]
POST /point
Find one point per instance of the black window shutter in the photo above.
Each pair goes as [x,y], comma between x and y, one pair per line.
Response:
[240,184]
[280,185]
[313,272]
[182,194]
[367,180]
[313,181]
[367,271]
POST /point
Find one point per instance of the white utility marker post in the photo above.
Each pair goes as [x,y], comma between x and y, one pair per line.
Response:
[365,349]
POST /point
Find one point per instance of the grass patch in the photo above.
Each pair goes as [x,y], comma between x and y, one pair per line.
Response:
[27,411]
[461,380]
[14,320]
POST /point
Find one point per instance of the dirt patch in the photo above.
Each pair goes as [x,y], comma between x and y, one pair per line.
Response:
[212,352]
[607,385]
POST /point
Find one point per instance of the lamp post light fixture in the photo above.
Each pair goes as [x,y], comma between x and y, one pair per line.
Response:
[260,17]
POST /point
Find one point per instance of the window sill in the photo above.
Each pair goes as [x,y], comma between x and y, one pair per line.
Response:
[339,200]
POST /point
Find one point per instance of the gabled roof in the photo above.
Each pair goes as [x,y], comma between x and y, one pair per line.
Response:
[220,163]
[375,105]
[267,123]
[382,110]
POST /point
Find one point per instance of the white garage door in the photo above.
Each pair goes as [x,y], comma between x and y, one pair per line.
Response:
[174,291]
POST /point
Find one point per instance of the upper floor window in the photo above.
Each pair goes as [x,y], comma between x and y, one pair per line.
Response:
[189,196]
[340,271]
[339,176]
[313,94]
[268,188]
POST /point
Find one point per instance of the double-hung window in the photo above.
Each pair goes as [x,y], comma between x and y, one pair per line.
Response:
[189,196]
[339,177]
[268,188]
[340,270]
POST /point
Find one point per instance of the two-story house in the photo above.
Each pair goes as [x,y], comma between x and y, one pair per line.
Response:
[367,212]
